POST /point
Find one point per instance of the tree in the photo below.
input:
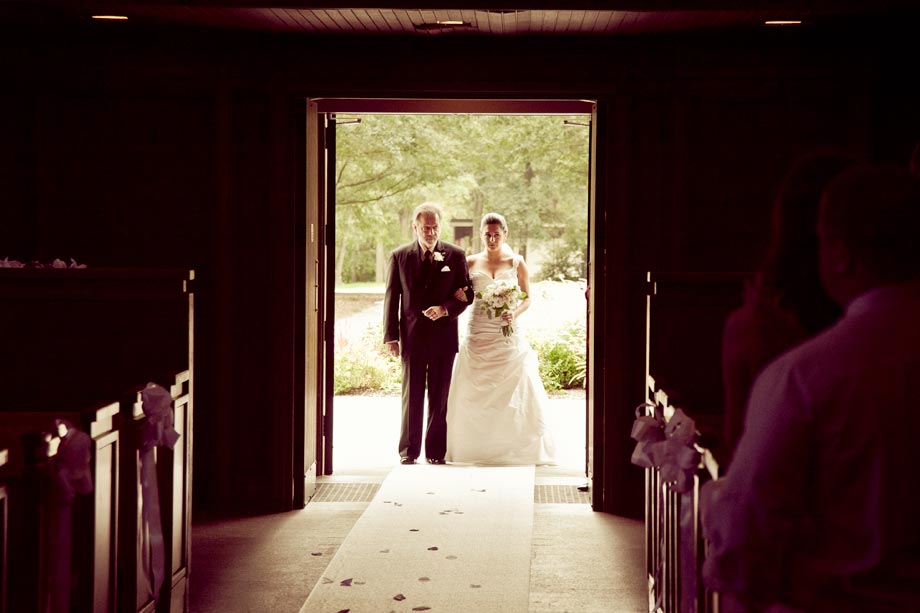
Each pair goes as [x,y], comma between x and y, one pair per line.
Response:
[532,169]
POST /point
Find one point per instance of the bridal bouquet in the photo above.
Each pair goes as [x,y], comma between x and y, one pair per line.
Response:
[499,297]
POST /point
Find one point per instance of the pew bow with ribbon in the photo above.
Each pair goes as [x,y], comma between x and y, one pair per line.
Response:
[70,466]
[156,431]
[70,475]
[667,444]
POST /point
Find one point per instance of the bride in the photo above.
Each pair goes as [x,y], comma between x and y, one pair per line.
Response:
[496,400]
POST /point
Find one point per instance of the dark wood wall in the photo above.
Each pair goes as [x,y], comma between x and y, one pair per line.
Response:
[177,149]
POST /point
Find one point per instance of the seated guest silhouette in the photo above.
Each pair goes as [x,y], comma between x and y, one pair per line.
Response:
[785,302]
[820,508]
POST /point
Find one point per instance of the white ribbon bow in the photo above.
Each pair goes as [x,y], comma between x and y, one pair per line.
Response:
[669,446]
[71,463]
[156,431]
[70,474]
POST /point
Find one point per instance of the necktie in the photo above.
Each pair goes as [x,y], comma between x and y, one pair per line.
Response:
[426,264]
[425,279]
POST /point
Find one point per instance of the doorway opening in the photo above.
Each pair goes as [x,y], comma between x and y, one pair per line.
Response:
[530,161]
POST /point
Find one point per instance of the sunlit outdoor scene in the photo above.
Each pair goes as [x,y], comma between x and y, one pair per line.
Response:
[531,169]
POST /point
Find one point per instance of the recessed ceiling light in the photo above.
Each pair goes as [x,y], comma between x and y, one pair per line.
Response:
[111,17]
[783,22]
[446,24]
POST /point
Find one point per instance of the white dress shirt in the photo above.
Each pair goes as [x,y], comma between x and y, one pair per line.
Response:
[822,500]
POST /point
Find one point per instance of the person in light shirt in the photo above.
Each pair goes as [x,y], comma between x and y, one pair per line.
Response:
[820,508]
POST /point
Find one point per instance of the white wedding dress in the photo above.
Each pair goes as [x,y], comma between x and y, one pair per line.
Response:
[496,400]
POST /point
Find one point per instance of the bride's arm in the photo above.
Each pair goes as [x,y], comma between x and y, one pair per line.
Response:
[523,276]
[465,293]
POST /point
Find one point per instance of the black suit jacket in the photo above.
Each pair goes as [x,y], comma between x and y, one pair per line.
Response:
[406,298]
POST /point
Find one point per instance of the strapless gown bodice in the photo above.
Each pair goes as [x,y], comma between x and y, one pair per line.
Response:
[495,407]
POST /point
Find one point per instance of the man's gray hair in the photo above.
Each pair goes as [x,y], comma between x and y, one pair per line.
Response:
[428,208]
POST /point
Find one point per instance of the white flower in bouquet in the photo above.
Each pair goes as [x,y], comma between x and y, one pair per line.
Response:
[499,297]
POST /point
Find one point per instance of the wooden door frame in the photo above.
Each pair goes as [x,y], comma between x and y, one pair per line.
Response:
[316,329]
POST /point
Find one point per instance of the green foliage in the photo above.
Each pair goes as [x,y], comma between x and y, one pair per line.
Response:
[561,354]
[532,169]
[563,262]
[365,366]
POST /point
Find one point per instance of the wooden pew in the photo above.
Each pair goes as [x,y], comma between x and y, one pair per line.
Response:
[83,337]
[673,540]
[178,484]
[685,314]
[4,520]
[88,541]
[173,476]
[134,590]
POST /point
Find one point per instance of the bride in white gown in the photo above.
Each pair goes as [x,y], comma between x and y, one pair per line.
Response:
[496,401]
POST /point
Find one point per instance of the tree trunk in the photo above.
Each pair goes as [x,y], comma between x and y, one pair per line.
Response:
[380,267]
[342,249]
[478,199]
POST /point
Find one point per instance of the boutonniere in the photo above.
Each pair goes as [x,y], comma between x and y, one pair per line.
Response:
[438,256]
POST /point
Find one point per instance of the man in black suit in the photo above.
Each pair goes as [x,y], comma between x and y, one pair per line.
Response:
[420,324]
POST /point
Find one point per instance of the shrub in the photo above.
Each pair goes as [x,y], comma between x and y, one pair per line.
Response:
[561,354]
[364,365]
[563,263]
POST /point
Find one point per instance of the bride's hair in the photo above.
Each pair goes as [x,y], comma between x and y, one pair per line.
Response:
[493,218]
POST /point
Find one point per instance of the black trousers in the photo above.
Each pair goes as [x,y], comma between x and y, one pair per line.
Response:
[418,371]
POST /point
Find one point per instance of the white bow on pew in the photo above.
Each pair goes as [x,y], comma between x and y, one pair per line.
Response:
[70,451]
[156,431]
[669,445]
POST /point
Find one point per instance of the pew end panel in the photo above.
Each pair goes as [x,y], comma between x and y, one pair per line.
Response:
[4,515]
[177,485]
[685,314]
[172,492]
[674,544]
[86,529]
[134,590]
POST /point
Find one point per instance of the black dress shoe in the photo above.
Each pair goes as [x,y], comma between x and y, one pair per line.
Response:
[407,460]
[435,460]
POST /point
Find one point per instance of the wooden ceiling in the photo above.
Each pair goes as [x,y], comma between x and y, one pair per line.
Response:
[439,18]
[432,22]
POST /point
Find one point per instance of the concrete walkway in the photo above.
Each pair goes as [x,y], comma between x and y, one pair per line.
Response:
[366,433]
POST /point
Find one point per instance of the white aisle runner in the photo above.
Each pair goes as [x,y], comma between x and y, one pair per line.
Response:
[447,539]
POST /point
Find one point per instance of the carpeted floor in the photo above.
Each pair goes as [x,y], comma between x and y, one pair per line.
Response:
[436,538]
[581,561]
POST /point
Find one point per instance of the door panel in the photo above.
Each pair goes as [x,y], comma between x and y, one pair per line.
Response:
[593,374]
[329,293]
[313,315]
[322,259]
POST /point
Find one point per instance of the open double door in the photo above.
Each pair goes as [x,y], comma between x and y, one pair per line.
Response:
[315,448]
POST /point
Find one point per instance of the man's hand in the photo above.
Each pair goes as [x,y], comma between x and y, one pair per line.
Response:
[460,294]
[393,347]
[435,312]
